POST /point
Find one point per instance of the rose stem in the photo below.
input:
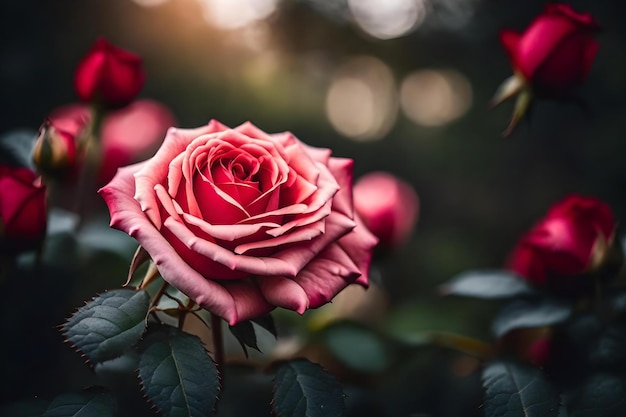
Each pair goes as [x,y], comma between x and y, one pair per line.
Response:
[218,342]
[157,297]
[183,313]
[89,145]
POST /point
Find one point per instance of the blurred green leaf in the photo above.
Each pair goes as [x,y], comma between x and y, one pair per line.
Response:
[177,374]
[530,313]
[603,395]
[95,401]
[490,284]
[304,389]
[415,324]
[516,390]
[357,346]
[109,324]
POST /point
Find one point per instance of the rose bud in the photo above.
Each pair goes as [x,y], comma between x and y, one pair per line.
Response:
[388,206]
[242,221]
[54,152]
[23,216]
[574,238]
[109,75]
[551,58]
[128,135]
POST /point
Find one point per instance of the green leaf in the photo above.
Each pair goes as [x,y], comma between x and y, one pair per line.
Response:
[530,313]
[109,324]
[304,389]
[95,401]
[603,395]
[177,374]
[488,284]
[357,347]
[515,390]
[245,335]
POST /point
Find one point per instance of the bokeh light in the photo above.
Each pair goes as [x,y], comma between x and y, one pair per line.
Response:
[150,3]
[388,19]
[235,14]
[435,97]
[361,102]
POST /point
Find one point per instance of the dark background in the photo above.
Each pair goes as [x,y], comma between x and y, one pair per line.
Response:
[478,191]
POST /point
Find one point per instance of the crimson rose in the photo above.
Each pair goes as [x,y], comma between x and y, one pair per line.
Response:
[23,215]
[573,238]
[553,56]
[242,221]
[109,75]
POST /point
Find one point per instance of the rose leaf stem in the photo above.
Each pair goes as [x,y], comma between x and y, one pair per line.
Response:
[218,342]
[159,294]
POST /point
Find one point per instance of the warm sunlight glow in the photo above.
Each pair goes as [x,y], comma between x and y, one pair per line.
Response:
[388,19]
[435,98]
[234,14]
[361,102]
[150,3]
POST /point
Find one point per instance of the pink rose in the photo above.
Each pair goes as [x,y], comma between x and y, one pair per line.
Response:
[556,51]
[128,135]
[242,221]
[573,238]
[109,75]
[23,215]
[388,206]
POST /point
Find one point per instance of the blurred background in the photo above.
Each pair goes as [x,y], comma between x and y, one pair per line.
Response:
[397,85]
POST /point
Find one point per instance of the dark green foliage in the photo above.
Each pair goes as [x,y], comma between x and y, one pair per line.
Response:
[177,374]
[304,389]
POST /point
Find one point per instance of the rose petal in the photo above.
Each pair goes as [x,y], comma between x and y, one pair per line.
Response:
[249,302]
[226,232]
[303,234]
[327,274]
[284,292]
[225,257]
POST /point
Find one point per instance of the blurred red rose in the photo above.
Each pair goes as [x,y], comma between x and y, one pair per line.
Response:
[23,216]
[553,56]
[109,75]
[556,51]
[388,206]
[573,238]
[242,221]
[128,135]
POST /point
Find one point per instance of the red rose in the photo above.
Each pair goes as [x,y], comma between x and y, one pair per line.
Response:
[23,216]
[553,56]
[242,221]
[128,135]
[109,75]
[556,51]
[388,206]
[573,238]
